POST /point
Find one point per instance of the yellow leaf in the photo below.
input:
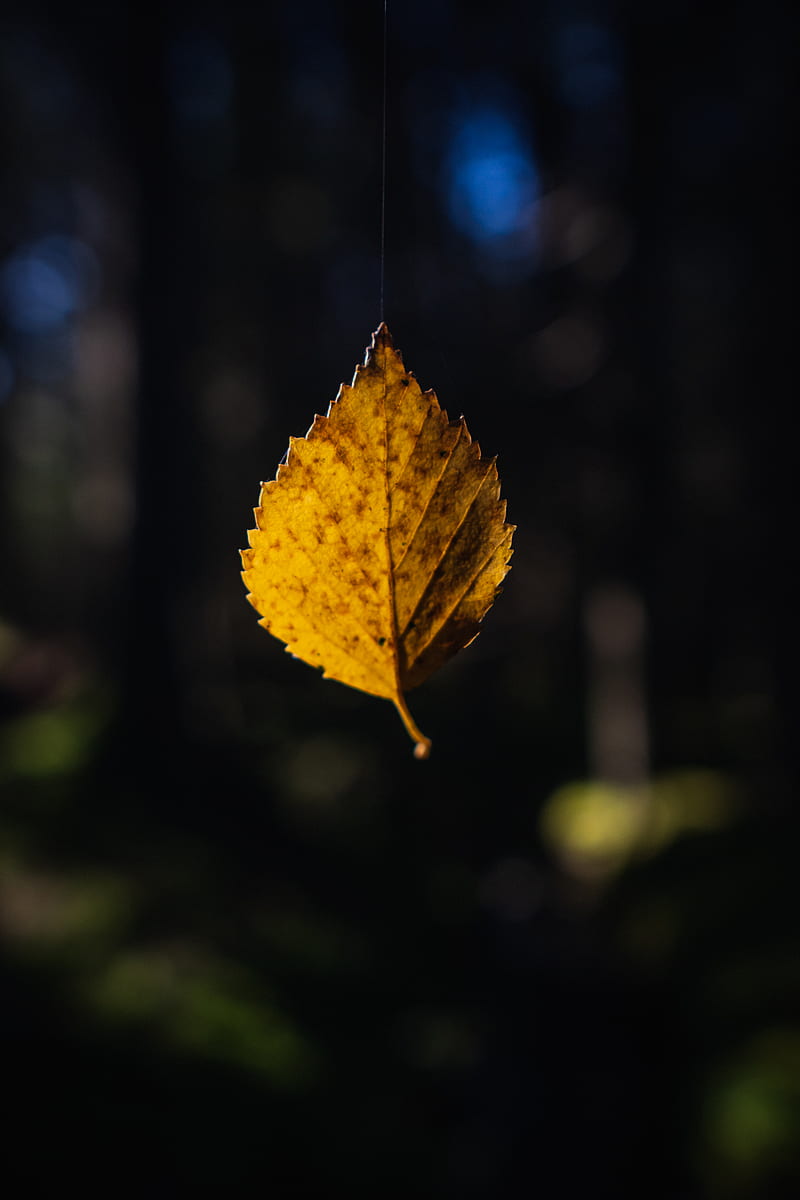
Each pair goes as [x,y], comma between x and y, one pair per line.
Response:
[382,541]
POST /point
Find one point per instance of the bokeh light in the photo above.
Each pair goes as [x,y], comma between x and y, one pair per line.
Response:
[47,282]
[493,184]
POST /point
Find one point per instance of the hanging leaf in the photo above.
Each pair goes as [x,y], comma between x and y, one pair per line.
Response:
[382,541]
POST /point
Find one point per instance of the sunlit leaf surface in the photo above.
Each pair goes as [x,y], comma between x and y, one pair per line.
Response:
[382,541]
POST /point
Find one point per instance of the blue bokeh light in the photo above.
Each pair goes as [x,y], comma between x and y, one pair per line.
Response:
[46,282]
[493,180]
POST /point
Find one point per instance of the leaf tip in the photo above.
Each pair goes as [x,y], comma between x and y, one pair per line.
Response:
[381,336]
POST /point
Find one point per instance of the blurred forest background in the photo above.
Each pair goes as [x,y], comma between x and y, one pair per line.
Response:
[246,938]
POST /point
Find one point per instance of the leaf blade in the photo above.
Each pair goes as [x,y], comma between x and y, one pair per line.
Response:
[381,543]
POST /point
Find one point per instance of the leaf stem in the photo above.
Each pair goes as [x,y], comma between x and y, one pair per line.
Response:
[423,746]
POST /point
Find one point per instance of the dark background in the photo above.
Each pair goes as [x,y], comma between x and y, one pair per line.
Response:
[247,940]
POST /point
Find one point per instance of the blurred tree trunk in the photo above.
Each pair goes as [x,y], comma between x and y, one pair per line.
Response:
[150,711]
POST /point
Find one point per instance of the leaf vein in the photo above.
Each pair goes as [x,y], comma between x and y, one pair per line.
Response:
[462,595]
[448,545]
[445,464]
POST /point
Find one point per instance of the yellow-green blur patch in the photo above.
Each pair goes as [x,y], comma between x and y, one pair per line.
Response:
[54,742]
[44,912]
[196,1004]
[751,1117]
[596,828]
